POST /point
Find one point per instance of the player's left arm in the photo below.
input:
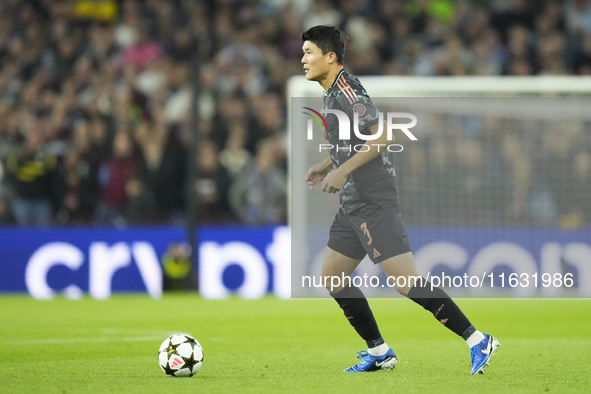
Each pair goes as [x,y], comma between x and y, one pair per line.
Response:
[335,180]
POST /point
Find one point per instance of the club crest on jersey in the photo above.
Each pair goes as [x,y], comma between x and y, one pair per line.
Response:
[359,109]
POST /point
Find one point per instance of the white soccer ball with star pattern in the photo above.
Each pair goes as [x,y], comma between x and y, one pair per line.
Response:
[180,355]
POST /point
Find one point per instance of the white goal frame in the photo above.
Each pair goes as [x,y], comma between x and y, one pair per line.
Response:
[407,86]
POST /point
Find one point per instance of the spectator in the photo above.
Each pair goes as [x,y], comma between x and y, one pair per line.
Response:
[440,191]
[580,204]
[519,13]
[321,13]
[78,190]
[6,217]
[519,49]
[31,172]
[212,186]
[578,17]
[139,54]
[79,72]
[141,207]
[234,156]
[114,174]
[258,195]
[126,32]
[178,268]
[163,163]
[179,99]
[103,10]
[582,62]
[553,164]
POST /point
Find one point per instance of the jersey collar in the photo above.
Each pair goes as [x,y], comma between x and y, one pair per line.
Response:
[335,80]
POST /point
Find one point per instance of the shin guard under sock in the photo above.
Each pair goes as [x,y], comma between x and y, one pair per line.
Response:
[443,308]
[357,311]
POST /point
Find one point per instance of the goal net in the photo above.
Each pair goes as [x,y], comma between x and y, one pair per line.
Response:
[497,161]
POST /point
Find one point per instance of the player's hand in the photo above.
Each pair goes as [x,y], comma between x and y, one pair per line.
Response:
[316,174]
[334,181]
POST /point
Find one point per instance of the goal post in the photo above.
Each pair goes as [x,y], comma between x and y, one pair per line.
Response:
[404,86]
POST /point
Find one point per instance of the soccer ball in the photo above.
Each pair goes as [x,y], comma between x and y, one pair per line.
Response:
[180,355]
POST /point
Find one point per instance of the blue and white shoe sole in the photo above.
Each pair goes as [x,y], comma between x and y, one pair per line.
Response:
[384,366]
[390,364]
[493,344]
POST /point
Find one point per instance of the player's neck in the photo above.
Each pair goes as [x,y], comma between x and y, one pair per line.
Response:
[330,77]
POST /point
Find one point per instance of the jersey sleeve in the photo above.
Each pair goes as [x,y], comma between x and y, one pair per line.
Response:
[354,98]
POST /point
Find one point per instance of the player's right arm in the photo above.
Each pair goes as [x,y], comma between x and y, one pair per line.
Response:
[317,172]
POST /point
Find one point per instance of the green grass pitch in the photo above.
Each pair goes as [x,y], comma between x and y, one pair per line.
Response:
[297,346]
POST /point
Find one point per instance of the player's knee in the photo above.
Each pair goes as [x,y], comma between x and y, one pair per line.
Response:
[403,290]
[333,283]
[333,290]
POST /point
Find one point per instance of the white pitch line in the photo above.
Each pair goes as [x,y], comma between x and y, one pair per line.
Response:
[140,332]
[95,339]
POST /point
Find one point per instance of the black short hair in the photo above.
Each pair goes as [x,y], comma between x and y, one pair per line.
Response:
[328,38]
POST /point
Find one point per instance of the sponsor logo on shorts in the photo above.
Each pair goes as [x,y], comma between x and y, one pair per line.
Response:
[376,254]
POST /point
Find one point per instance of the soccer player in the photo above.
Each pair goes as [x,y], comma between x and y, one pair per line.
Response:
[369,219]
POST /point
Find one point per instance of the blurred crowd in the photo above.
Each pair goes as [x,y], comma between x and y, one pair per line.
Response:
[494,171]
[96,97]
